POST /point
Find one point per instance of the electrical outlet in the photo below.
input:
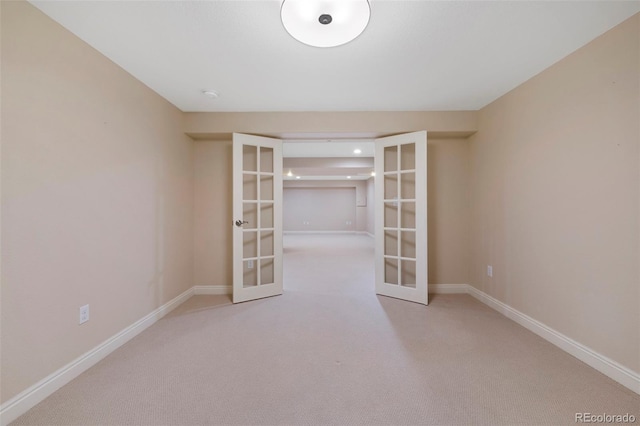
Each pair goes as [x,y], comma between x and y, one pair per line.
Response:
[489,270]
[84,314]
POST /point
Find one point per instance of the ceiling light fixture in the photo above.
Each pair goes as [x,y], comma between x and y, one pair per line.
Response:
[325,23]
[357,151]
[348,177]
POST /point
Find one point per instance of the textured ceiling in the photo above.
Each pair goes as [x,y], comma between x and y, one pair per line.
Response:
[413,56]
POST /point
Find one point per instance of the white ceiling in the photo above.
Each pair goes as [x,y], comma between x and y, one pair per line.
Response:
[413,56]
[327,168]
[312,159]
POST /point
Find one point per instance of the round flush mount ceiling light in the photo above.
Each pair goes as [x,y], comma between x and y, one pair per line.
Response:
[325,23]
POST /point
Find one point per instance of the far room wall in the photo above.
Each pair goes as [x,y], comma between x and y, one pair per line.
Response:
[324,206]
[319,209]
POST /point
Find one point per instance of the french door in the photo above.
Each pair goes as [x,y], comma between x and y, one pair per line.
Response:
[401,217]
[257,216]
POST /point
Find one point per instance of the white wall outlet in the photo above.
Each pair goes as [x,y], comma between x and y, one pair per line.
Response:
[84,314]
[250,264]
[489,270]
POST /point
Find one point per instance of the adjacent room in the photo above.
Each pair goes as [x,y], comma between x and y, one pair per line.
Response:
[328,195]
[300,212]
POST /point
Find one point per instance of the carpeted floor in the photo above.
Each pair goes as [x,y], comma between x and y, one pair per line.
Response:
[329,351]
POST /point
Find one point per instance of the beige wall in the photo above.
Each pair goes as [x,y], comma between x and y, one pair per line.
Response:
[213,213]
[448,205]
[97,180]
[555,181]
[300,125]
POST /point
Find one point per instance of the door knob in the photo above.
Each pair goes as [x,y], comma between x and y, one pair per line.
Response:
[239,223]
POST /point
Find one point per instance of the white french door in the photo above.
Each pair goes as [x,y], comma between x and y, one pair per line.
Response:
[257,217]
[401,217]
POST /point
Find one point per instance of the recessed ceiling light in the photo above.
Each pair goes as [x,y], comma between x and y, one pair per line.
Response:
[211,94]
[348,177]
[297,177]
[357,151]
[325,23]
[373,173]
[289,174]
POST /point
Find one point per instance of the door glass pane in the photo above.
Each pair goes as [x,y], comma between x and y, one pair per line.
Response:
[249,187]
[266,215]
[250,215]
[391,271]
[266,159]
[408,244]
[249,244]
[390,215]
[266,188]
[266,271]
[408,215]
[408,185]
[408,156]
[266,243]
[249,273]
[391,158]
[391,187]
[249,158]
[391,243]
[408,273]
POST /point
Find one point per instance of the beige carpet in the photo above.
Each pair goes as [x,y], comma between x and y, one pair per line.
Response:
[329,351]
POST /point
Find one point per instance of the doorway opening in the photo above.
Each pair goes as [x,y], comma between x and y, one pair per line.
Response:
[260,178]
[328,190]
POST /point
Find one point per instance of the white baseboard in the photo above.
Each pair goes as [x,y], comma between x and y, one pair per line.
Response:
[606,366]
[212,289]
[27,399]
